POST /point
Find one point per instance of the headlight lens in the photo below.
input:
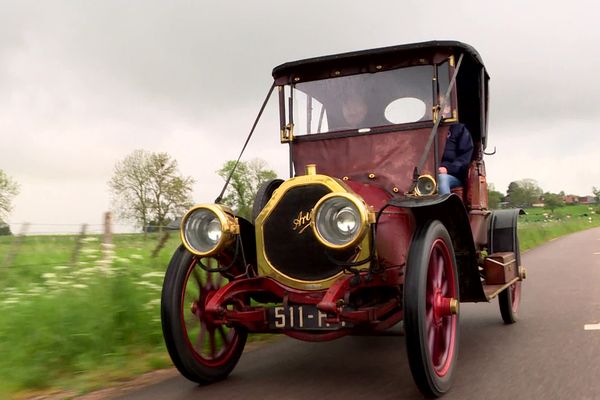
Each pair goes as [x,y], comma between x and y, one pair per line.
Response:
[340,220]
[426,185]
[206,229]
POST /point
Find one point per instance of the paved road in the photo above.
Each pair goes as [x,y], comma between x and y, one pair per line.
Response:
[546,355]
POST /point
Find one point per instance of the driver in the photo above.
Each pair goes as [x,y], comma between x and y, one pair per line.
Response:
[354,110]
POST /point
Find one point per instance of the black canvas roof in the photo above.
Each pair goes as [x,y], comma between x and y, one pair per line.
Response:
[382,54]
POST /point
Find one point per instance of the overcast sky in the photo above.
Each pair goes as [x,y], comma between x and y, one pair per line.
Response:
[83,84]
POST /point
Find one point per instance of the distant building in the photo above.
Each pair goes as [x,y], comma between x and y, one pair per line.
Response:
[587,200]
[571,199]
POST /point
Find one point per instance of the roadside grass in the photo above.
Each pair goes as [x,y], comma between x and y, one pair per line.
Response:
[78,326]
[62,323]
[540,225]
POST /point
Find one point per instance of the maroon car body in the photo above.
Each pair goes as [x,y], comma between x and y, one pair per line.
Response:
[358,239]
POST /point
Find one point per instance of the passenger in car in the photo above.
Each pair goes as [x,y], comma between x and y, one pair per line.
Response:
[456,158]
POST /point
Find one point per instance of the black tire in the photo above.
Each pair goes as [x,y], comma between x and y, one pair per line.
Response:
[431,330]
[263,195]
[186,289]
[510,298]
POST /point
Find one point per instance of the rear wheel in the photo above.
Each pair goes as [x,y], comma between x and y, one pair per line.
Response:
[431,309]
[263,195]
[202,351]
[509,300]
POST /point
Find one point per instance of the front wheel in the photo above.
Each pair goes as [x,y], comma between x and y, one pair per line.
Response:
[431,309]
[202,351]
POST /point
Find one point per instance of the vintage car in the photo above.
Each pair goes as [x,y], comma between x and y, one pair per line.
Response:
[358,239]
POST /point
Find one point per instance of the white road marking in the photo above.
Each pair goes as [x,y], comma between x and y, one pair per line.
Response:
[596,253]
[592,327]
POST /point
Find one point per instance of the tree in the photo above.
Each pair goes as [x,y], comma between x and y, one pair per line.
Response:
[596,192]
[4,229]
[523,193]
[552,201]
[147,187]
[8,190]
[494,197]
[244,184]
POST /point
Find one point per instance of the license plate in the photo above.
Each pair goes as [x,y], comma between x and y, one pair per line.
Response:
[300,317]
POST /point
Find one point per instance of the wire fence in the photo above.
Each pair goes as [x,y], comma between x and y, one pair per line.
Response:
[57,244]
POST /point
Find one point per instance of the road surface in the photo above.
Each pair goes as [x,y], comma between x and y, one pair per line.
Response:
[552,352]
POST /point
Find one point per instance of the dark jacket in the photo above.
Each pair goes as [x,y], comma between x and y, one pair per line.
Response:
[458,151]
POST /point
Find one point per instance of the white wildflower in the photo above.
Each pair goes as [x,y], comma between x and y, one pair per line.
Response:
[136,256]
[152,303]
[61,267]
[80,286]
[48,276]
[153,274]
[149,285]
[90,251]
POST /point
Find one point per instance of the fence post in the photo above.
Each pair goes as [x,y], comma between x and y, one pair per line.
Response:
[107,246]
[16,244]
[78,244]
[107,234]
[161,243]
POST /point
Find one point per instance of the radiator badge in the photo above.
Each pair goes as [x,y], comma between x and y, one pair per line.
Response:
[302,222]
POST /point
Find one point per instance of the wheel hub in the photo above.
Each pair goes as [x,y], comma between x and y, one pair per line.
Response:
[443,307]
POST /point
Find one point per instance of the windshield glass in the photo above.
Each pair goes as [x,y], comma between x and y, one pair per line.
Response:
[366,100]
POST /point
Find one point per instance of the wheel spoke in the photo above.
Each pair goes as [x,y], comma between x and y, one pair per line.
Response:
[192,321]
[429,313]
[201,338]
[439,271]
[213,343]
[210,285]
[224,336]
[219,281]
[431,339]
[440,346]
[198,279]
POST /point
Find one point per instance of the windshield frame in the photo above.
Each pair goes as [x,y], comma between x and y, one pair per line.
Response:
[440,75]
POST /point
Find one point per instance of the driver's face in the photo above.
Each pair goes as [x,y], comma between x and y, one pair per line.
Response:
[354,110]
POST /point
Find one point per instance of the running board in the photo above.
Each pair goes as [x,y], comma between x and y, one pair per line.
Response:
[492,291]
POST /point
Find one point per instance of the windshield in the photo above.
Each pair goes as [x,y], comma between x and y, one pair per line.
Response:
[363,101]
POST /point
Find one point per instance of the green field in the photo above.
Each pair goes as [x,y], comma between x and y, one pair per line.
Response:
[78,324]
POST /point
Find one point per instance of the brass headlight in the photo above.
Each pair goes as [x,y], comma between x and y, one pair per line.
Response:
[207,228]
[426,186]
[340,220]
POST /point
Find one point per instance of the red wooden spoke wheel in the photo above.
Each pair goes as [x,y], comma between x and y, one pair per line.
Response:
[510,298]
[431,309]
[509,301]
[202,351]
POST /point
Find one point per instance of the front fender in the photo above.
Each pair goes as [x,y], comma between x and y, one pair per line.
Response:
[450,210]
